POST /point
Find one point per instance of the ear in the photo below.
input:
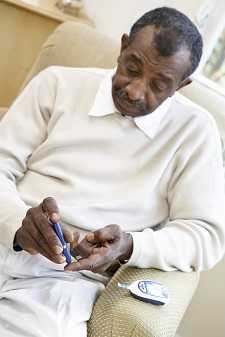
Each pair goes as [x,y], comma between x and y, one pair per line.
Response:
[185,82]
[124,42]
[124,45]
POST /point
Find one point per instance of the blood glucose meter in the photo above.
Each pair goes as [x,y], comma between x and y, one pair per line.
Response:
[148,291]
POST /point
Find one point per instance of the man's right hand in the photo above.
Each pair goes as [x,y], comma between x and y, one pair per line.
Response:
[36,234]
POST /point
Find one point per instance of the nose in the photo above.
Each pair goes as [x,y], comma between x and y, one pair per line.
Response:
[136,90]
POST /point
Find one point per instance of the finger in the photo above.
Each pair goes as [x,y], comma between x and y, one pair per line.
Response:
[102,269]
[47,232]
[108,233]
[90,237]
[42,247]
[84,248]
[74,243]
[28,243]
[68,235]
[30,247]
[101,250]
[89,263]
[50,207]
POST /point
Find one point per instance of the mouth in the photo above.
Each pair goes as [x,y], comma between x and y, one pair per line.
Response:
[126,108]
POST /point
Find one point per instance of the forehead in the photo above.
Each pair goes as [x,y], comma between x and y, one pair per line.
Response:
[143,50]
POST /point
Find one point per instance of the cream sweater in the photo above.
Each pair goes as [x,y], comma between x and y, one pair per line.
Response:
[159,177]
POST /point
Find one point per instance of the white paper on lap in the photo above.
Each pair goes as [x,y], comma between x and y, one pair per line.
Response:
[39,299]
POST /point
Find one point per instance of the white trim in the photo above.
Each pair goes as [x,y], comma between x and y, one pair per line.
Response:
[218,89]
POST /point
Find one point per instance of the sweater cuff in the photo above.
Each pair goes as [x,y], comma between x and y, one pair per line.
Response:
[138,256]
[147,251]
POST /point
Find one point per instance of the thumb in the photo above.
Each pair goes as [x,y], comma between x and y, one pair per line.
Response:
[74,242]
[90,237]
[68,235]
[107,233]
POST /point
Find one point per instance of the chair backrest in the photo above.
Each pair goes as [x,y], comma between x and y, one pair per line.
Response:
[75,45]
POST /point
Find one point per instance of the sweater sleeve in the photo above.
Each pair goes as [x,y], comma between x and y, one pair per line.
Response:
[193,238]
[22,130]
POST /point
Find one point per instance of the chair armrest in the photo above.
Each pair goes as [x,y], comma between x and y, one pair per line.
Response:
[2,111]
[117,314]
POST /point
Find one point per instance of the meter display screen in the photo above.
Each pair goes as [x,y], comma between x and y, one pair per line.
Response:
[152,288]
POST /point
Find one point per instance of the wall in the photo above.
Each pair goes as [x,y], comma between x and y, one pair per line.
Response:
[115,17]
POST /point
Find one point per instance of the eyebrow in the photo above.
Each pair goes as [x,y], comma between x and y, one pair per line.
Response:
[166,78]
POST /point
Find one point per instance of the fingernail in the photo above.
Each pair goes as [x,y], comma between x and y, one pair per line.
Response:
[67,269]
[90,237]
[58,249]
[55,216]
[62,259]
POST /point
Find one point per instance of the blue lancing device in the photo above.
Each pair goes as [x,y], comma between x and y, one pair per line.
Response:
[58,231]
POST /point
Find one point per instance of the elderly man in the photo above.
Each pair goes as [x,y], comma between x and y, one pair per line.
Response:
[131,170]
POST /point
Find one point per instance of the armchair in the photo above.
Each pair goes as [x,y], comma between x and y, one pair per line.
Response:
[116,313]
[3,110]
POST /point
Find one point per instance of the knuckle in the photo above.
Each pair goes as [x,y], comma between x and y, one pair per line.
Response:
[115,227]
[49,202]
[29,212]
[92,267]
[25,223]
[21,234]
[48,199]
[40,239]
[31,250]
[39,218]
[23,241]
[75,252]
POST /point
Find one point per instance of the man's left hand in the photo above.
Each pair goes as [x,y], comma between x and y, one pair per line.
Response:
[99,249]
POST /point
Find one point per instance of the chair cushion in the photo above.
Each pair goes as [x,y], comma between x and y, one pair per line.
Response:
[76,45]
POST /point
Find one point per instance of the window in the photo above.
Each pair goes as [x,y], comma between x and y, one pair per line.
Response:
[214,68]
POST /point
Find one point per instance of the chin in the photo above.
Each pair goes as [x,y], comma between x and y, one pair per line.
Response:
[133,113]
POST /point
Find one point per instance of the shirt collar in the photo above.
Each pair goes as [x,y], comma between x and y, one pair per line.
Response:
[104,105]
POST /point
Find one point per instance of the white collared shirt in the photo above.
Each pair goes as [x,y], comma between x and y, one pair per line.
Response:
[64,138]
[104,105]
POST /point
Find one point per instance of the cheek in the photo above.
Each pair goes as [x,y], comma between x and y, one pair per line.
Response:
[120,81]
[151,99]
[154,100]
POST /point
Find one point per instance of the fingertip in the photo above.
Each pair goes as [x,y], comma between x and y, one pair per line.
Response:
[33,252]
[55,217]
[72,266]
[95,250]
[68,267]
[76,235]
[58,249]
[90,237]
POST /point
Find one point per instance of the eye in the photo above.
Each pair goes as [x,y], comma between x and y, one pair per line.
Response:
[132,70]
[159,85]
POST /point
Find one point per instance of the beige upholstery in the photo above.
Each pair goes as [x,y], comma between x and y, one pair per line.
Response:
[76,45]
[117,314]
[2,111]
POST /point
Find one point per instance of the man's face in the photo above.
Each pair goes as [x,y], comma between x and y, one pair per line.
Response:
[144,79]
